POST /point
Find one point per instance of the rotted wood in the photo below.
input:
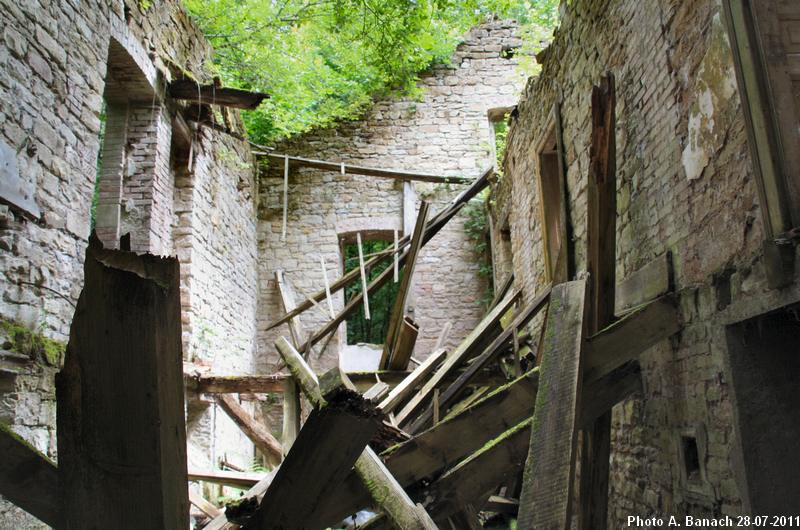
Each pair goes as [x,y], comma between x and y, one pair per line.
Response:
[456,389]
[330,442]
[547,487]
[28,478]
[300,370]
[252,497]
[189,90]
[125,447]
[486,330]
[267,444]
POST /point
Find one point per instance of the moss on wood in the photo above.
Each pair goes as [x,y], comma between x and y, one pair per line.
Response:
[24,341]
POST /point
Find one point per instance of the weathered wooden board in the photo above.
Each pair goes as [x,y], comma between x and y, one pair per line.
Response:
[644,285]
[121,430]
[404,389]
[406,340]
[267,444]
[28,478]
[237,479]
[187,89]
[549,471]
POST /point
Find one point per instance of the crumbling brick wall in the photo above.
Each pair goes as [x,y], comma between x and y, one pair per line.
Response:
[446,131]
[685,184]
[55,58]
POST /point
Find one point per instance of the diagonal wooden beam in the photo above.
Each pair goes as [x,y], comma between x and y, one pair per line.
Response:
[267,444]
[28,478]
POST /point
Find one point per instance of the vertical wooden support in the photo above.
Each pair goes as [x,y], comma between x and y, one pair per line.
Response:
[365,295]
[121,429]
[403,292]
[550,467]
[285,196]
[409,220]
[601,257]
[291,397]
[327,286]
[406,339]
[396,264]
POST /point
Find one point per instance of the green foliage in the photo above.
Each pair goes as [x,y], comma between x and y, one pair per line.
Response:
[324,61]
[477,228]
[500,137]
[359,329]
[31,343]
[98,168]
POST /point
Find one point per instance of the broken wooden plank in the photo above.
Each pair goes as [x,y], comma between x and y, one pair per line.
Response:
[253,495]
[632,335]
[399,309]
[288,302]
[326,448]
[237,479]
[475,478]
[444,334]
[486,329]
[389,495]
[203,505]
[406,340]
[372,172]
[434,226]
[126,447]
[500,504]
[644,285]
[237,384]
[454,390]
[413,380]
[190,90]
[376,392]
[28,478]
[267,444]
[550,466]
[303,374]
[291,416]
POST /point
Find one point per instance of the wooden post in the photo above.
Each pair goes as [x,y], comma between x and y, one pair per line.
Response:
[327,286]
[257,433]
[285,197]
[396,258]
[300,370]
[28,478]
[403,292]
[291,398]
[121,430]
[363,277]
[406,339]
[601,264]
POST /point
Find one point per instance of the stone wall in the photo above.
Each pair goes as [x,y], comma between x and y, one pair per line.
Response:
[59,60]
[445,131]
[685,184]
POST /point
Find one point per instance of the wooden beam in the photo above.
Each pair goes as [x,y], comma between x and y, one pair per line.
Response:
[404,389]
[434,226]
[490,353]
[368,171]
[267,444]
[255,493]
[600,395]
[377,391]
[487,328]
[237,384]
[326,448]
[475,478]
[546,496]
[28,478]
[632,335]
[291,398]
[399,309]
[203,505]
[644,285]
[187,89]
[500,504]
[237,479]
[601,264]
[406,340]
[302,373]
[125,447]
[390,496]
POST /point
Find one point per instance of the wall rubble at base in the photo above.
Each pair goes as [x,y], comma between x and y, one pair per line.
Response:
[685,185]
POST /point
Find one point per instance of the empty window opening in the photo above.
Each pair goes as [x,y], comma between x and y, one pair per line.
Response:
[498,123]
[765,373]
[553,207]
[691,458]
[359,329]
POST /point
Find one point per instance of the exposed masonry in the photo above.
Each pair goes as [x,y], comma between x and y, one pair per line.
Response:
[685,185]
[446,131]
[59,60]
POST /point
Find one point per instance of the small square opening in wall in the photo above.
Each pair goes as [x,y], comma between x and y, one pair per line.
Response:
[691,458]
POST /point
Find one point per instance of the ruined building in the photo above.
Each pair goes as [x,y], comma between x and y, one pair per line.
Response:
[630,355]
